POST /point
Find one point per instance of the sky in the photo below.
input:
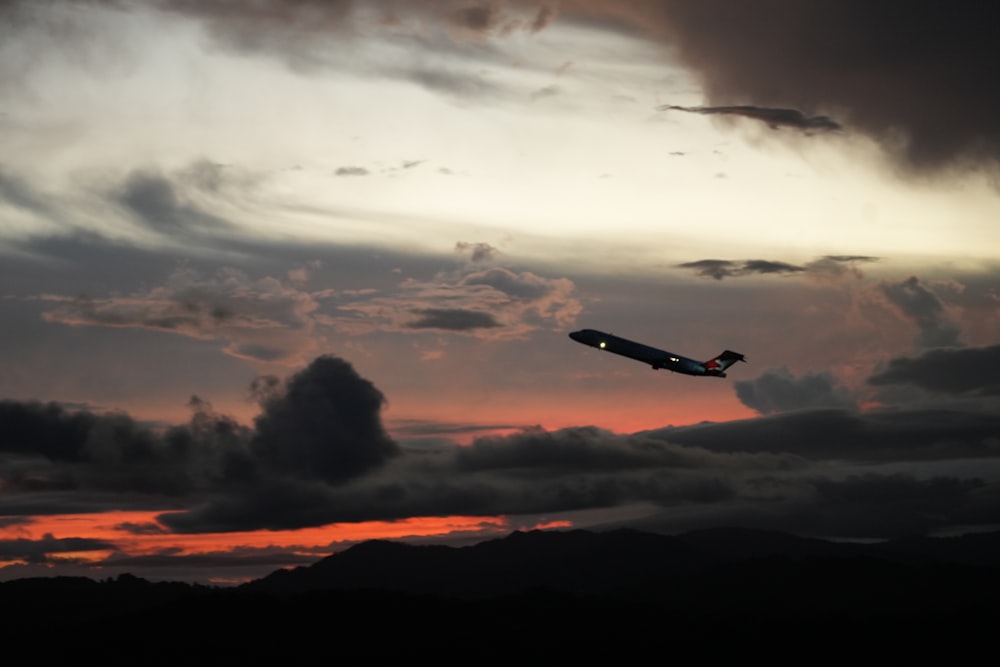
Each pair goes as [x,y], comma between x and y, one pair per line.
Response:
[280,276]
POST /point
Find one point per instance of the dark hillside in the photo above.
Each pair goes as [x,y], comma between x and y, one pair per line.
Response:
[621,595]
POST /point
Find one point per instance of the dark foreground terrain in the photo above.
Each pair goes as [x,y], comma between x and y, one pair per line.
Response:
[623,597]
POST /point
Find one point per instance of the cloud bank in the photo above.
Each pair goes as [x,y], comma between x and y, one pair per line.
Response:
[318,454]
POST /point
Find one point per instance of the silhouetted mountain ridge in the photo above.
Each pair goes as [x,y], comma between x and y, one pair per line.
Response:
[577,561]
[585,562]
[621,593]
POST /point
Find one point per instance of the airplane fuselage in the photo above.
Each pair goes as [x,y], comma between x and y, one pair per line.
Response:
[655,357]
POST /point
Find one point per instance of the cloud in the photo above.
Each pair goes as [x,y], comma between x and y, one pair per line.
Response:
[841,434]
[826,266]
[52,449]
[281,319]
[155,201]
[546,91]
[861,506]
[967,371]
[352,171]
[919,81]
[477,18]
[849,258]
[246,27]
[920,305]
[492,303]
[774,118]
[323,424]
[479,252]
[777,390]
[421,434]
[19,194]
[264,319]
[316,35]
[533,472]
[783,472]
[722,268]
[452,319]
[249,27]
[835,266]
[579,449]
[39,551]
[318,454]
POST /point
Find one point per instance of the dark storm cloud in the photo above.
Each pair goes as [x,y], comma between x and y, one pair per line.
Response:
[47,430]
[925,309]
[318,454]
[774,118]
[50,448]
[539,472]
[777,390]
[966,371]
[324,425]
[877,506]
[531,472]
[846,434]
[452,319]
[539,452]
[918,77]
[862,506]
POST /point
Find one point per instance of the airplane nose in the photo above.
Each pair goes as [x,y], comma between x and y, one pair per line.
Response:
[575,335]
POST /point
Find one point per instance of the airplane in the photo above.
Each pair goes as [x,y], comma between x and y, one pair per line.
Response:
[655,357]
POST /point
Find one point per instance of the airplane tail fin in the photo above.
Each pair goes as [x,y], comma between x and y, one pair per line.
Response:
[719,364]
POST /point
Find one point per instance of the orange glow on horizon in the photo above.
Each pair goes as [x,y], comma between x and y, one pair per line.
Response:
[112,527]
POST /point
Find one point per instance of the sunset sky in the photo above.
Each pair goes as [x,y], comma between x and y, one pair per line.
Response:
[279,276]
